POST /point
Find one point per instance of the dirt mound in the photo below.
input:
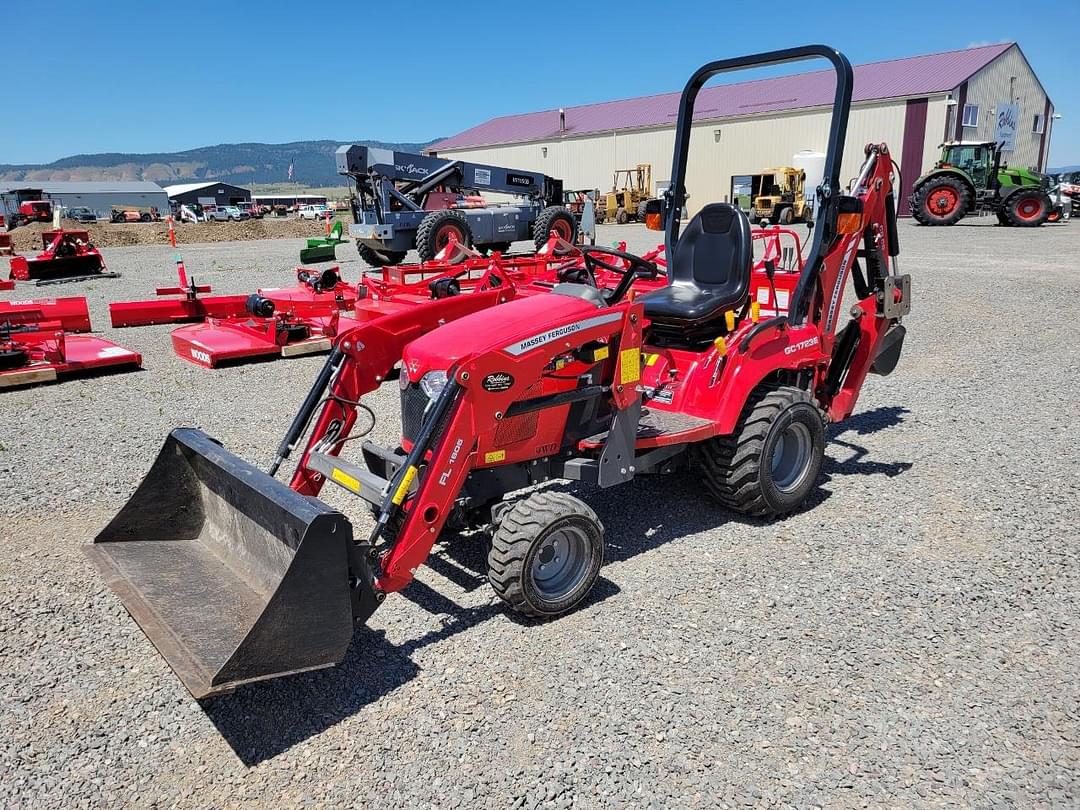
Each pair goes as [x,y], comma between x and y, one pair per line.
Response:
[27,239]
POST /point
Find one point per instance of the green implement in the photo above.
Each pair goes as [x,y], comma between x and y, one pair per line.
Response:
[323,250]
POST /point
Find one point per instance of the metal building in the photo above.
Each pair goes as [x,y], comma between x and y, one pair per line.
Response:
[207,194]
[99,196]
[912,104]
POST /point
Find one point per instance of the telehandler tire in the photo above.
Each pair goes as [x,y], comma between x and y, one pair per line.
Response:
[546,554]
[377,258]
[770,464]
[556,218]
[435,229]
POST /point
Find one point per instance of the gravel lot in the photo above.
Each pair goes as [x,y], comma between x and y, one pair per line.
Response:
[910,639]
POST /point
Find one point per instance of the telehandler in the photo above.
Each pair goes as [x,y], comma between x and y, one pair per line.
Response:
[237,577]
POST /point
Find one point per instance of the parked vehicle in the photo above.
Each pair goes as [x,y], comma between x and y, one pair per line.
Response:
[224,213]
[31,211]
[315,212]
[970,177]
[135,214]
[251,209]
[80,214]
[779,196]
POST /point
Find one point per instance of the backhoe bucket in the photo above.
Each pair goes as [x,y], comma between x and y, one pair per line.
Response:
[232,575]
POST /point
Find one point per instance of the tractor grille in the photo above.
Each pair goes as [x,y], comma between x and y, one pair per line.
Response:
[518,428]
[413,404]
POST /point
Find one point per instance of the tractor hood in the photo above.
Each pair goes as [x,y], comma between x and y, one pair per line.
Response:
[535,319]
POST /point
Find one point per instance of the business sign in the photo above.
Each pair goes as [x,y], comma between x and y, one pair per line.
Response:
[1008,119]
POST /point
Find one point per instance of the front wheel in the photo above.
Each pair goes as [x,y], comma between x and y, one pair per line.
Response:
[555,218]
[787,216]
[379,258]
[546,554]
[770,464]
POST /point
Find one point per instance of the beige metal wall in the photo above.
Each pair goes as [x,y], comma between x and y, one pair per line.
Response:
[745,146]
[991,86]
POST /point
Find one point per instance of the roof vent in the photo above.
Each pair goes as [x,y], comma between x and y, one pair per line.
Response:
[562,120]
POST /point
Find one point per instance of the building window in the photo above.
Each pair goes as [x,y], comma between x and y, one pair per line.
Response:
[971,115]
[1038,126]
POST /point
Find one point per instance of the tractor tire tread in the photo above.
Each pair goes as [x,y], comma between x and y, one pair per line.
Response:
[514,535]
[731,464]
[429,226]
[918,201]
[544,220]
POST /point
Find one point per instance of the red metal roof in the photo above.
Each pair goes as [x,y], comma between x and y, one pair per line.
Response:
[912,76]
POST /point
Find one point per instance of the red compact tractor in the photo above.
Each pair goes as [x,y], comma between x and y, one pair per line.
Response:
[731,369]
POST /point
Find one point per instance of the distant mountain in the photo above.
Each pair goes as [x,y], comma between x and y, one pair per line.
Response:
[240,163]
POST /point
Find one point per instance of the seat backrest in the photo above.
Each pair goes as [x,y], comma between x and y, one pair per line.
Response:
[714,251]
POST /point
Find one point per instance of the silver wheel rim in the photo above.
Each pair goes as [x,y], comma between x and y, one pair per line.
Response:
[560,563]
[791,457]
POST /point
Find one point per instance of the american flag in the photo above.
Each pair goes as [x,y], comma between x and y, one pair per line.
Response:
[290,170]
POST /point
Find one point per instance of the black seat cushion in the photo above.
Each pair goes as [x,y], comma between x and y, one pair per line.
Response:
[710,268]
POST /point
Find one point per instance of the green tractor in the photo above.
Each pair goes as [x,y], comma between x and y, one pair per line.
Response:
[970,177]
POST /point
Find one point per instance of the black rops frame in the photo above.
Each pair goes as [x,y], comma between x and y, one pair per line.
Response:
[828,192]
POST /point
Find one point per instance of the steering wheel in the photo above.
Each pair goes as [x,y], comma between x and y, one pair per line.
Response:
[636,268]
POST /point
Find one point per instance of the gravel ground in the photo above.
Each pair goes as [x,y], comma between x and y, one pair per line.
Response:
[909,639]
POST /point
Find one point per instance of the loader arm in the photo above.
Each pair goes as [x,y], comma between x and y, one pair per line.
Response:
[440,466]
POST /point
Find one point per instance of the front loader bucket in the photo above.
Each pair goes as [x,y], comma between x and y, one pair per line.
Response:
[232,575]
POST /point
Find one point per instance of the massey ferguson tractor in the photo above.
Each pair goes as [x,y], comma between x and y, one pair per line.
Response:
[404,201]
[731,369]
[971,178]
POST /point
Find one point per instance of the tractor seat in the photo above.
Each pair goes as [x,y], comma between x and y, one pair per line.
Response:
[709,274]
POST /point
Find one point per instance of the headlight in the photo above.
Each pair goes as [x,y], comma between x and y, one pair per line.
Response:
[433,383]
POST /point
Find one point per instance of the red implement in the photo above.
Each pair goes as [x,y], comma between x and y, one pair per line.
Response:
[35,350]
[71,313]
[67,256]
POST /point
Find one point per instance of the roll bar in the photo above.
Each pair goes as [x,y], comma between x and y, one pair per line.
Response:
[828,192]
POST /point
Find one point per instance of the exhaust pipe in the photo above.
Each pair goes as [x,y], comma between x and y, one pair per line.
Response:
[230,573]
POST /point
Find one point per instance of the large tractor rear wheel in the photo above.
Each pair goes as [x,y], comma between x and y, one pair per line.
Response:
[379,258]
[771,463]
[1027,208]
[435,231]
[554,218]
[942,200]
[546,554]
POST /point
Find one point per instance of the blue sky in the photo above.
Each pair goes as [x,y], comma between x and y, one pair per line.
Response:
[146,77]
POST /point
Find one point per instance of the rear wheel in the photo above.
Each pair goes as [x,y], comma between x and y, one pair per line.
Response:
[771,462]
[144,218]
[787,216]
[621,217]
[941,201]
[546,554]
[435,231]
[1027,208]
[554,218]
[378,258]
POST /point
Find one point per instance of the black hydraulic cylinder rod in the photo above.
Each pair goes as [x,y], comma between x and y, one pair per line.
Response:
[302,419]
[890,222]
[420,447]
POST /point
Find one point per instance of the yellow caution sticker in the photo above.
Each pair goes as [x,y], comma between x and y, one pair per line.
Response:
[403,487]
[630,363]
[494,456]
[600,353]
[650,359]
[345,480]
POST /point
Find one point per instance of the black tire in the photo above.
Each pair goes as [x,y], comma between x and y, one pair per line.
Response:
[621,217]
[787,216]
[377,258]
[753,217]
[435,229]
[924,206]
[144,218]
[13,358]
[501,247]
[532,534]
[741,470]
[1003,219]
[641,210]
[1027,208]
[554,218]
